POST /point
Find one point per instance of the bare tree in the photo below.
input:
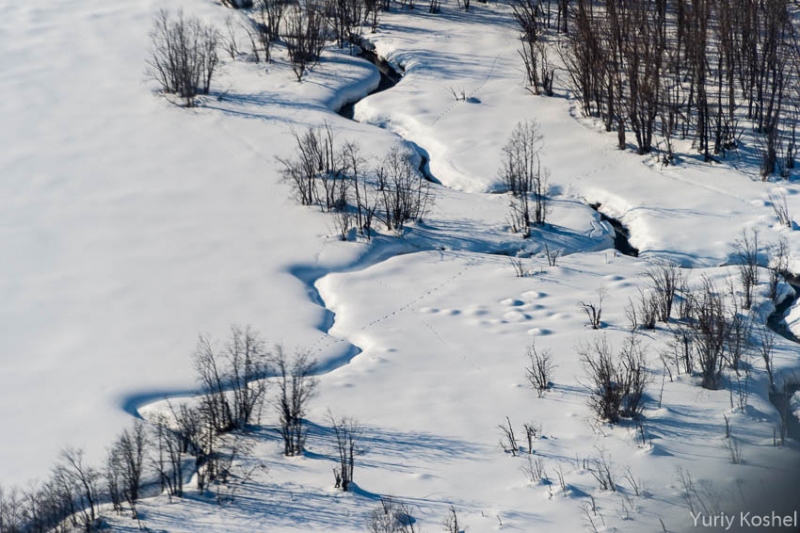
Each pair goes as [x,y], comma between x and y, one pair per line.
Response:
[405,194]
[304,36]
[767,347]
[508,441]
[605,382]
[595,310]
[540,370]
[296,387]
[634,377]
[83,481]
[524,177]
[778,266]
[128,454]
[710,330]
[347,433]
[664,280]
[746,251]
[183,57]
[211,374]
[247,367]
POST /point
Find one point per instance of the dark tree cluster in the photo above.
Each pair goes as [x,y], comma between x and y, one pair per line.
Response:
[689,69]
[339,180]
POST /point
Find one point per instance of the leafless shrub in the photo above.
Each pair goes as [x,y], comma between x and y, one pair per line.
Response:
[632,314]
[778,266]
[636,483]
[680,348]
[167,459]
[746,251]
[737,341]
[12,512]
[508,442]
[316,162]
[450,523]
[528,14]
[766,349]
[272,13]
[616,387]
[519,268]
[404,193]
[81,482]
[604,385]
[347,433]
[664,280]
[710,330]
[230,43]
[634,377]
[183,56]
[552,255]
[540,370]
[560,475]
[535,470]
[391,516]
[460,95]
[735,450]
[240,367]
[127,458]
[602,471]
[296,387]
[781,210]
[743,384]
[524,177]
[366,201]
[304,36]
[595,310]
[532,431]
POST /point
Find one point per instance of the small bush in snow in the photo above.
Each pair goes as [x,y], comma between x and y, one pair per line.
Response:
[524,177]
[616,385]
[746,251]
[183,56]
[347,433]
[540,369]
[391,517]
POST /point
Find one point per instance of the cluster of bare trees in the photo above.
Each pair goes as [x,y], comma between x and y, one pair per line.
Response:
[616,384]
[533,17]
[304,27]
[689,69]
[197,438]
[347,434]
[183,56]
[296,386]
[523,175]
[339,180]
[714,332]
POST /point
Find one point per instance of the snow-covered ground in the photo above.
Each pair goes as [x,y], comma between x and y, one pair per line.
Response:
[130,225]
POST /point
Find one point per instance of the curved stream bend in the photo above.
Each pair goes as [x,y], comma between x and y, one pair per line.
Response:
[310,275]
